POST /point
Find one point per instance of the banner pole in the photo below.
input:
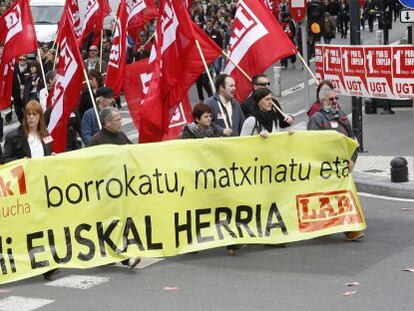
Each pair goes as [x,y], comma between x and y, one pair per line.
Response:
[100,54]
[42,69]
[93,99]
[307,68]
[250,79]
[211,81]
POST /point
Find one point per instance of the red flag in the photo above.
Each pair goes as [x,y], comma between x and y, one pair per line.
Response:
[72,6]
[6,83]
[257,42]
[175,47]
[18,36]
[188,3]
[136,86]
[68,83]
[273,6]
[96,11]
[117,58]
[139,13]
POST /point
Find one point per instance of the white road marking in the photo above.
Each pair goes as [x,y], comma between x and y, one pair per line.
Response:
[383,197]
[18,303]
[79,281]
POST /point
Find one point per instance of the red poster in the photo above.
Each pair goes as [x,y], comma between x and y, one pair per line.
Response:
[403,71]
[319,62]
[379,71]
[353,68]
[333,67]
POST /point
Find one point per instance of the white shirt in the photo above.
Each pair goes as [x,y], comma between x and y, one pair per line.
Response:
[229,109]
[36,146]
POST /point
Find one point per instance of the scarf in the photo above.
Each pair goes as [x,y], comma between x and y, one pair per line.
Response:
[265,119]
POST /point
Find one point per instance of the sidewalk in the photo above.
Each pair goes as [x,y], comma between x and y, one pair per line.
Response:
[385,137]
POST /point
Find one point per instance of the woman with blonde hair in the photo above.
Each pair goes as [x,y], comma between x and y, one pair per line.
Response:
[31,139]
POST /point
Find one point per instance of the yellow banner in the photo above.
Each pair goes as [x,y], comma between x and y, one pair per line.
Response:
[104,204]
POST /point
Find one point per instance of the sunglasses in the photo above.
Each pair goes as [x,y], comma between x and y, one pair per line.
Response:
[263,84]
[22,59]
[332,98]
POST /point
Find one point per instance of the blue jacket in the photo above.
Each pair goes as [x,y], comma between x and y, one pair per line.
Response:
[89,125]
[237,116]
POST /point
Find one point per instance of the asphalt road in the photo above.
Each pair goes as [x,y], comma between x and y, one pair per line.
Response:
[307,275]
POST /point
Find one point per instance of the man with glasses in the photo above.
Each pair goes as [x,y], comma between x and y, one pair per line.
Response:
[262,81]
[93,61]
[21,74]
[330,117]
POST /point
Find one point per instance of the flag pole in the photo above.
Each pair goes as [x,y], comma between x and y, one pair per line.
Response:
[211,80]
[42,69]
[307,68]
[92,99]
[56,57]
[100,54]
[250,79]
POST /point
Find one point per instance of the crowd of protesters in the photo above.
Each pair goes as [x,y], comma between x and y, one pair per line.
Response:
[219,115]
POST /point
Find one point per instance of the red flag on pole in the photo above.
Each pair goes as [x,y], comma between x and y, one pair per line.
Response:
[68,83]
[72,6]
[257,42]
[18,36]
[96,11]
[136,86]
[174,47]
[117,58]
[139,13]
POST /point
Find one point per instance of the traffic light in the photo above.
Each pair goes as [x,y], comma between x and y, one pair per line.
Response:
[316,19]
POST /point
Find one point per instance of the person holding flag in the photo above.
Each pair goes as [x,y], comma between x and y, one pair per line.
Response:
[265,118]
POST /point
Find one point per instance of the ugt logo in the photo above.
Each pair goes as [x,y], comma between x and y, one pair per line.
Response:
[66,69]
[93,6]
[116,46]
[8,182]
[318,211]
[178,117]
[135,7]
[248,29]
[13,23]
[169,24]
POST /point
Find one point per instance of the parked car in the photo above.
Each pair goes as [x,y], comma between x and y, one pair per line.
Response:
[46,16]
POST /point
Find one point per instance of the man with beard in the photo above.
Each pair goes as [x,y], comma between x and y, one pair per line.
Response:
[224,106]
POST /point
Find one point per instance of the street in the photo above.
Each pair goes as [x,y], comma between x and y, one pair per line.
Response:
[308,275]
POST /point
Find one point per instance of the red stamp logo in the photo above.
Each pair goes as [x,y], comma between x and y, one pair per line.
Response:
[321,210]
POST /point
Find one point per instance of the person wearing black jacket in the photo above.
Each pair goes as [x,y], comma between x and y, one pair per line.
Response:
[20,75]
[31,139]
[343,19]
[216,36]
[371,9]
[248,106]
